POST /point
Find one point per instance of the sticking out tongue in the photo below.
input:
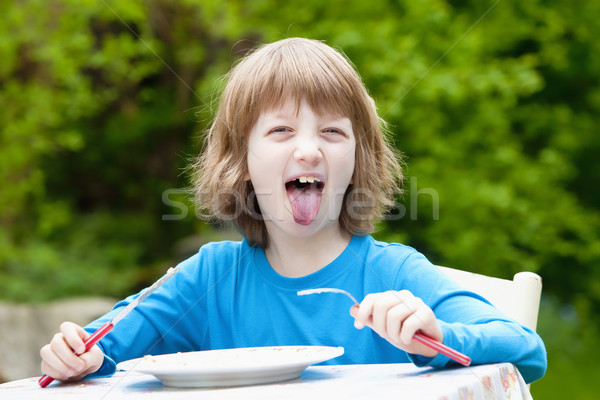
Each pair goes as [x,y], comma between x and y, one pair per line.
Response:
[305,199]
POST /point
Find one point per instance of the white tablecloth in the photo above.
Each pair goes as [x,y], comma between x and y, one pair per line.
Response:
[402,381]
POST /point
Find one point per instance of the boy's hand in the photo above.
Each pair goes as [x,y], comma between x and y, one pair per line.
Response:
[58,357]
[397,316]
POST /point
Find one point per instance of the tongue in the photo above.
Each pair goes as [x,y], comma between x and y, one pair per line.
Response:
[305,203]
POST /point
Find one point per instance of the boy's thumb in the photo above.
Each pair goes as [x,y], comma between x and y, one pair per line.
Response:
[354,310]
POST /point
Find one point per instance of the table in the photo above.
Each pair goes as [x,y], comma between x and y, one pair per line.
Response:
[406,381]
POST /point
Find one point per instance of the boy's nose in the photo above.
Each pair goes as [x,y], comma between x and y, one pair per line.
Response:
[308,150]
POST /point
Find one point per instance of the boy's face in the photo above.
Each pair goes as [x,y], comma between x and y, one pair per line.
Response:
[300,164]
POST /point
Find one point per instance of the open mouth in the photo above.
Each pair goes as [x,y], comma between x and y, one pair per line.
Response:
[305,194]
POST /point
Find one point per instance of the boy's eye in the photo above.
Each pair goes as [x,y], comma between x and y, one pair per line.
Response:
[333,132]
[280,129]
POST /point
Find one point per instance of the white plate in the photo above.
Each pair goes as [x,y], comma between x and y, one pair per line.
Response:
[232,367]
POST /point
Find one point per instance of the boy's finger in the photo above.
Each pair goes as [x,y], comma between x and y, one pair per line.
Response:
[416,322]
[53,366]
[74,335]
[373,308]
[364,311]
[61,349]
[385,302]
[93,360]
[49,370]
[395,318]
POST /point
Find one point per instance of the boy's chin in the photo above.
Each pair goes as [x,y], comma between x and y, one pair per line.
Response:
[314,227]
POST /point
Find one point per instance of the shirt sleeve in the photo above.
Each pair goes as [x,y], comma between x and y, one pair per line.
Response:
[165,322]
[470,324]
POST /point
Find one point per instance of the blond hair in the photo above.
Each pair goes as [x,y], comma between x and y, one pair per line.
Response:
[294,69]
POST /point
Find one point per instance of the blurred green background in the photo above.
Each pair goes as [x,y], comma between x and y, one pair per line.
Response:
[495,104]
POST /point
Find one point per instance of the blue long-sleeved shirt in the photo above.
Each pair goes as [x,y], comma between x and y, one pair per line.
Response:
[228,296]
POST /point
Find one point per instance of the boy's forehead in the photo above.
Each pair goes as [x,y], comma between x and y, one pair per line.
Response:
[292,106]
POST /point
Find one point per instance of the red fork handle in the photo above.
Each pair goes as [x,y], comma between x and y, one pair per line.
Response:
[45,380]
[442,348]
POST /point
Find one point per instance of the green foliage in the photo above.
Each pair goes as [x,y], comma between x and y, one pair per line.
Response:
[572,353]
[495,105]
[95,260]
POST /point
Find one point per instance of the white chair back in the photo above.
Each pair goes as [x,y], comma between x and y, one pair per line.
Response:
[518,299]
